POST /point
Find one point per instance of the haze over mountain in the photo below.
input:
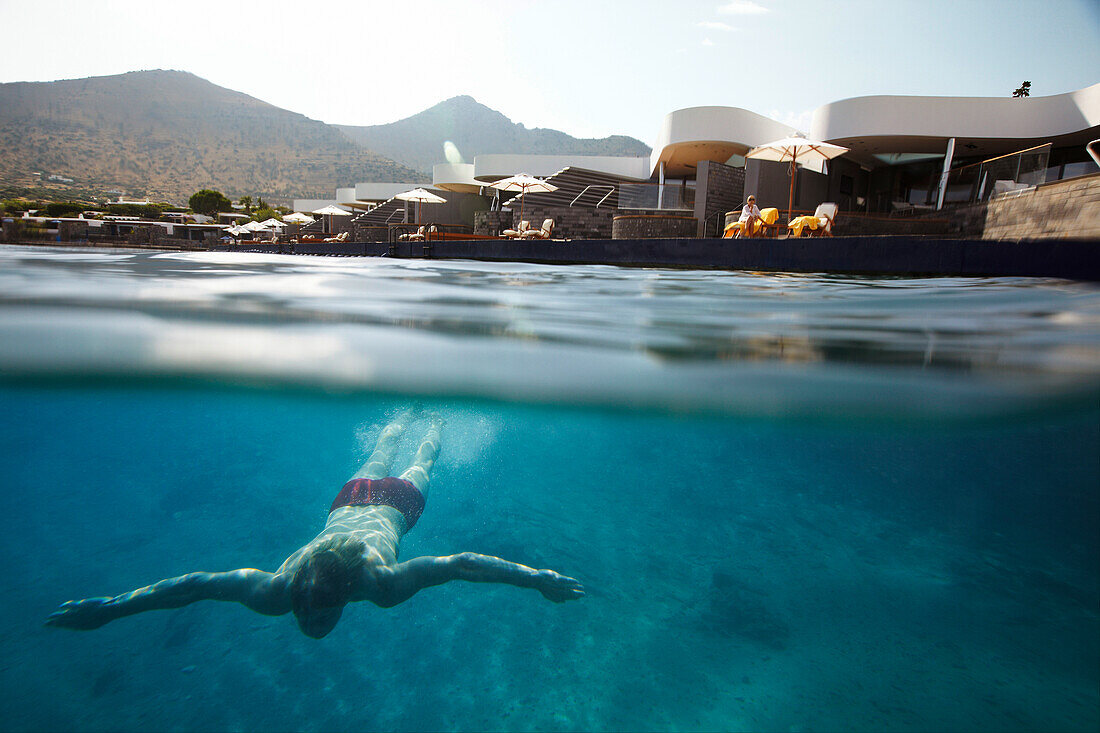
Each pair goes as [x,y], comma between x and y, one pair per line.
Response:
[166,134]
[475,129]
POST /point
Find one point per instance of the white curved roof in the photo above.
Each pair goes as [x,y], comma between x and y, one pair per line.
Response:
[456,177]
[694,134]
[899,124]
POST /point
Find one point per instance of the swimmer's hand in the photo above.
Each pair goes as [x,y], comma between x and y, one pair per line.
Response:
[90,613]
[557,587]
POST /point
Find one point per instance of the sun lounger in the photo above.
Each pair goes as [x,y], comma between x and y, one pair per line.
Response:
[517,233]
[417,236]
[766,223]
[818,225]
[544,233]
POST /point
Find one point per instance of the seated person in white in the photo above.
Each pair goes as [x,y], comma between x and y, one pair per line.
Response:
[750,215]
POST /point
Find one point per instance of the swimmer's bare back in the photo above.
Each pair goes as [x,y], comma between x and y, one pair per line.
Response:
[368,535]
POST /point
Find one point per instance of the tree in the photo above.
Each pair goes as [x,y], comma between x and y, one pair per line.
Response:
[209,202]
[64,208]
[145,211]
[246,202]
[265,213]
[1024,90]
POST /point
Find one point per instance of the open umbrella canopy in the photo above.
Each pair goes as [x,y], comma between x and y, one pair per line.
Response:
[273,222]
[523,183]
[795,150]
[798,149]
[420,196]
[255,226]
[298,218]
[237,231]
[331,210]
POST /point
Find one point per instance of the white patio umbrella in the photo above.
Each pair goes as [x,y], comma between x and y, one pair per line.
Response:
[523,183]
[254,226]
[331,211]
[299,218]
[273,222]
[420,196]
[795,150]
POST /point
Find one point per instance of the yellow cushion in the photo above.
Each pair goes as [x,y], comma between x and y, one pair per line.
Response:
[799,223]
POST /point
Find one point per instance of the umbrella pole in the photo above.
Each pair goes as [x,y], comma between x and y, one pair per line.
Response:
[790,198]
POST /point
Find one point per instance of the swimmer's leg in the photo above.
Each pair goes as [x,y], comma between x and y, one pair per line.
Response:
[380,461]
[419,472]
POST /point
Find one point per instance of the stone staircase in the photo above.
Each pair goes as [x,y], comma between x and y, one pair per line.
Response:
[576,187]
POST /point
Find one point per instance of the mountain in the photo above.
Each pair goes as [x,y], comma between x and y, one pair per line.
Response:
[417,141]
[167,134]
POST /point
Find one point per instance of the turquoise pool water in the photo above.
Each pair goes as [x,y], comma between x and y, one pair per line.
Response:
[796,502]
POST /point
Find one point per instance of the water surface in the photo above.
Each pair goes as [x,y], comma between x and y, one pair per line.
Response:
[796,502]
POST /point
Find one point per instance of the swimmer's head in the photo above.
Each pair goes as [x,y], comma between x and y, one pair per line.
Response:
[323,583]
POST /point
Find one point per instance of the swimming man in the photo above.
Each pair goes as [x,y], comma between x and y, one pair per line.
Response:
[353,559]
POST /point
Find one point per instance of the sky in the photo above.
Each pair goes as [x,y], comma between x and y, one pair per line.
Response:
[585,67]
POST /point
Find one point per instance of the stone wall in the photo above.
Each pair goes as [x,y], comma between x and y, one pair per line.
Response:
[570,222]
[1057,210]
[858,225]
[718,189]
[654,226]
[370,233]
[492,223]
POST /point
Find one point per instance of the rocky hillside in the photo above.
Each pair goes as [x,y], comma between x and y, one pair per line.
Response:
[417,141]
[167,134]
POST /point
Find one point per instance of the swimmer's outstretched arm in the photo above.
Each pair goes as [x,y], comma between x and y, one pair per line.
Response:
[261,591]
[423,572]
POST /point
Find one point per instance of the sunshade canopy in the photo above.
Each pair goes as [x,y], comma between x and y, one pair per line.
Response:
[523,183]
[798,149]
[421,195]
[331,210]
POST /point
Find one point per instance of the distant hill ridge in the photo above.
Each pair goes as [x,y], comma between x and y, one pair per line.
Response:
[475,129]
[166,134]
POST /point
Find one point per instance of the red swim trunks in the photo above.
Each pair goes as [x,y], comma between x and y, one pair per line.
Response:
[402,495]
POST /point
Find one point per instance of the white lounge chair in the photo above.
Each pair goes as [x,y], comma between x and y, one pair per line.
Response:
[524,226]
[819,225]
[544,233]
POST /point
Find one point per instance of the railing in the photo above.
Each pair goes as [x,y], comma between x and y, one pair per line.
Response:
[676,196]
[610,190]
[718,226]
[978,182]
